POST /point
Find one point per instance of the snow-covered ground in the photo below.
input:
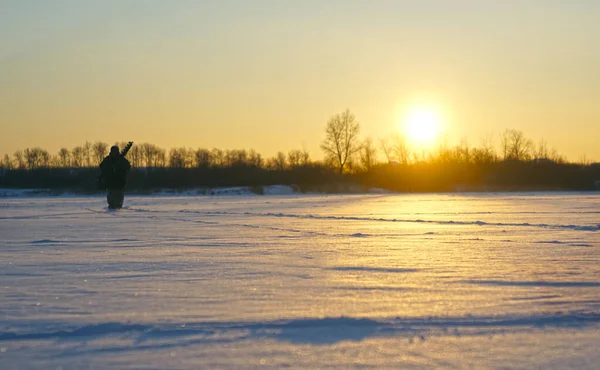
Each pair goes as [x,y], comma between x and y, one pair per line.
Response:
[301,281]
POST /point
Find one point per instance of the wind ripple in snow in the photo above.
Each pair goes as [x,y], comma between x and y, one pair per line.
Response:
[592,228]
[314,330]
[374,269]
[437,222]
[554,284]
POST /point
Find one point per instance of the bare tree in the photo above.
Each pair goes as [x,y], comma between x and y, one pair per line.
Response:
[341,138]
[280,161]
[368,154]
[135,156]
[99,151]
[542,149]
[304,157]
[400,149]
[7,162]
[298,157]
[218,157]
[177,158]
[240,157]
[77,157]
[36,158]
[387,150]
[444,155]
[277,163]
[484,154]
[462,152]
[87,153]
[255,159]
[479,156]
[516,146]
[202,158]
[31,158]
[236,158]
[19,159]
[149,154]
[488,150]
[228,158]
[160,157]
[44,157]
[584,160]
[64,158]
[505,144]
[556,156]
[294,158]
[55,161]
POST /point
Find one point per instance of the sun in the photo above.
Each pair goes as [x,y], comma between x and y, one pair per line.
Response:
[422,125]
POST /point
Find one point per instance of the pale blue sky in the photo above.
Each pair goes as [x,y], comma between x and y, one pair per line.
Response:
[268,74]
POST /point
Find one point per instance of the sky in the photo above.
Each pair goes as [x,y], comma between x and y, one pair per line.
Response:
[268,74]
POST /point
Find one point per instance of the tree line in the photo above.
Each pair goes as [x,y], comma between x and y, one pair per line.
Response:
[388,163]
[343,149]
[150,155]
[346,151]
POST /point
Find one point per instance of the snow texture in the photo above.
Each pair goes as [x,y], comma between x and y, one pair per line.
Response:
[301,281]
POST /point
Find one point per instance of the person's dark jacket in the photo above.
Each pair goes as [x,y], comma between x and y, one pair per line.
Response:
[114,172]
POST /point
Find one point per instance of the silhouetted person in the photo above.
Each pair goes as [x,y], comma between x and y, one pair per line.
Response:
[114,177]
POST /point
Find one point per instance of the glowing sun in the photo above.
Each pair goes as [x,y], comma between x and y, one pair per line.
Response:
[422,126]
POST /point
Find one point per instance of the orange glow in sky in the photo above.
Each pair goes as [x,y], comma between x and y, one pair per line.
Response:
[268,74]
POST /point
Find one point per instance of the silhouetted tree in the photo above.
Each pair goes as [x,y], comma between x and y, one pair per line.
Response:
[584,160]
[280,161]
[64,158]
[218,157]
[160,158]
[36,158]
[7,163]
[488,153]
[135,156]
[277,163]
[516,146]
[19,159]
[31,159]
[202,158]
[543,152]
[444,154]
[395,149]
[294,158]
[176,158]
[77,157]
[99,151]
[341,138]
[255,159]
[54,161]
[304,157]
[462,152]
[400,149]
[368,154]
[181,158]
[236,158]
[386,149]
[556,156]
[482,156]
[505,144]
[87,154]
[149,155]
